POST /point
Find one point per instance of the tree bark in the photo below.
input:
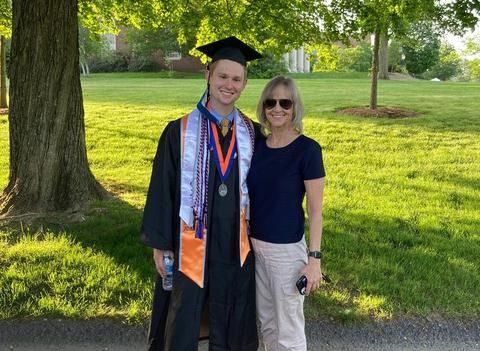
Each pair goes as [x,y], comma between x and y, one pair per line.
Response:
[49,170]
[3,73]
[383,57]
[373,91]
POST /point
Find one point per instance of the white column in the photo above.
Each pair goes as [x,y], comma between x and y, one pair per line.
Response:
[286,60]
[300,59]
[293,61]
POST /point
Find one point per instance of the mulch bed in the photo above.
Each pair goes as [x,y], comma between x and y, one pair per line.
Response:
[381,112]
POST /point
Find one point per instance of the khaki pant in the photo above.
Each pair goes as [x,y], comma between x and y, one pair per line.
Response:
[279,304]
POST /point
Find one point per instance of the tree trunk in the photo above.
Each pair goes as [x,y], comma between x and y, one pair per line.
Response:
[373,91]
[49,170]
[383,57]
[3,74]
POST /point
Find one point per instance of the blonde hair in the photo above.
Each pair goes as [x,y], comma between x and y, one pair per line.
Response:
[298,109]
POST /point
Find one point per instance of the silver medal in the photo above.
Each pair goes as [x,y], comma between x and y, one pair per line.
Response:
[222,190]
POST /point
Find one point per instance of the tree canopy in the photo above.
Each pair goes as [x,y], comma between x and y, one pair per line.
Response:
[274,26]
[5,18]
[421,48]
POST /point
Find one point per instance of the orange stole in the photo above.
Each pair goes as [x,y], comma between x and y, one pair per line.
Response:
[192,254]
[192,250]
[244,243]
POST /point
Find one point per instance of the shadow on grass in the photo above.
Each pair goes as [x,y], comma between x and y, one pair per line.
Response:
[113,228]
[118,188]
[380,267]
[391,266]
[95,267]
[470,182]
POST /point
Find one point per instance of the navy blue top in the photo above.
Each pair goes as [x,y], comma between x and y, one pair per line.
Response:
[276,188]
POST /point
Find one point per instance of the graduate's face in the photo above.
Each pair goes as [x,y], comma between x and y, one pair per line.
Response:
[227,81]
[278,116]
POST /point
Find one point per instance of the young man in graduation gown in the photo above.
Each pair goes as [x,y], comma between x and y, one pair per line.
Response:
[197,207]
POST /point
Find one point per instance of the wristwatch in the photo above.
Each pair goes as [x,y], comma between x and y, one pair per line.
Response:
[315,254]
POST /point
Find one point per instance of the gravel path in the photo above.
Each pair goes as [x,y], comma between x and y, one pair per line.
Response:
[108,335]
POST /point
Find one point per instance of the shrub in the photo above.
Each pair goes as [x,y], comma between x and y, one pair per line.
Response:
[362,59]
[267,67]
[328,58]
[142,64]
[474,69]
[447,66]
[112,63]
[324,58]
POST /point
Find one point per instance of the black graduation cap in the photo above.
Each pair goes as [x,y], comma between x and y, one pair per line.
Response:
[230,48]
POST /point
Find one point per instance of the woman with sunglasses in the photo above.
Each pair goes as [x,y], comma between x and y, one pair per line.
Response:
[285,166]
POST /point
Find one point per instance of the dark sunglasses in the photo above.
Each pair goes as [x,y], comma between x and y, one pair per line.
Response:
[286,104]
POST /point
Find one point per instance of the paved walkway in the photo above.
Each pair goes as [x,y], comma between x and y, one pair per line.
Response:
[108,335]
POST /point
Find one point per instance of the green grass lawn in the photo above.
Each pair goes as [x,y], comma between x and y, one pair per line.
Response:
[402,224]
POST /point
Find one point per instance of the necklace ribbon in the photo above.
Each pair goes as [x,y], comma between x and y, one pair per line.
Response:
[224,163]
[204,107]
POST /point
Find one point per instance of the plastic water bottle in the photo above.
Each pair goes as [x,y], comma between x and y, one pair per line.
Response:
[167,282]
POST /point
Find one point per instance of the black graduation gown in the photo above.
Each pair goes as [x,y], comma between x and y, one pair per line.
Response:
[229,290]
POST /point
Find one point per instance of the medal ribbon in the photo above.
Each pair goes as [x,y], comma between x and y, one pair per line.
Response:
[224,164]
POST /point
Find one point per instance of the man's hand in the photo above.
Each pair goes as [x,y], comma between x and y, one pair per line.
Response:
[313,272]
[158,258]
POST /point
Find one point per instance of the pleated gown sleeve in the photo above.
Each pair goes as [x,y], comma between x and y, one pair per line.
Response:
[160,217]
[160,224]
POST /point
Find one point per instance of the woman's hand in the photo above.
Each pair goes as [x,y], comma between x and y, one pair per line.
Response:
[313,272]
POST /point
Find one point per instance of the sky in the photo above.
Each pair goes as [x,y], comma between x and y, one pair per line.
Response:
[459,42]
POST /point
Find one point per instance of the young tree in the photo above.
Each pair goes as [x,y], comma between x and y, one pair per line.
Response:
[356,18]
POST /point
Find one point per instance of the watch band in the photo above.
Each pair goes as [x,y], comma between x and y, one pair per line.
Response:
[315,254]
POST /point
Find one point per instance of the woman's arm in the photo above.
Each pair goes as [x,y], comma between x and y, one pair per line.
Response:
[314,190]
